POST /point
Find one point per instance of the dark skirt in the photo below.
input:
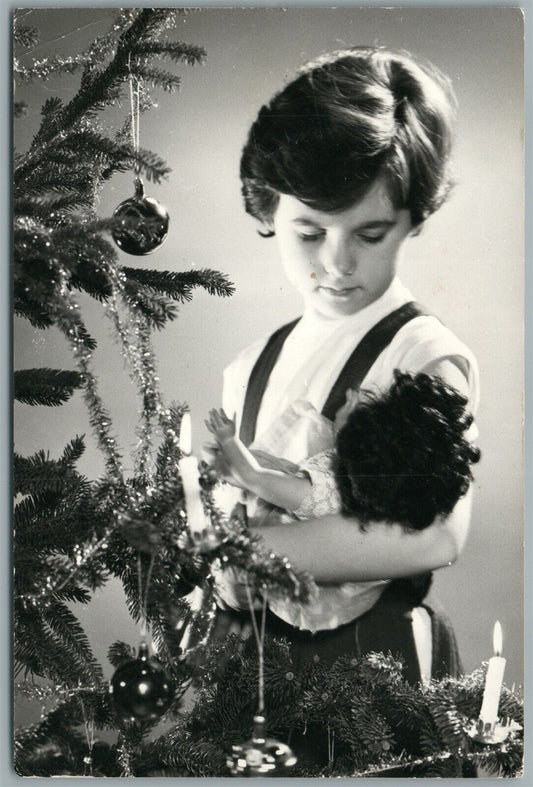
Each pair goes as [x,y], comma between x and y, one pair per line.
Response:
[386,627]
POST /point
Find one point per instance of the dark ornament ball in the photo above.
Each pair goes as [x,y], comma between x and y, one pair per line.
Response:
[141,689]
[143,223]
[186,579]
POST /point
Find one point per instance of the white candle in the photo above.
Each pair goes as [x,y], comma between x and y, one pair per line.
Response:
[188,470]
[493,682]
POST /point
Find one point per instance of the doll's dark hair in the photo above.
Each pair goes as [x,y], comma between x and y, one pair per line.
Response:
[402,456]
[346,120]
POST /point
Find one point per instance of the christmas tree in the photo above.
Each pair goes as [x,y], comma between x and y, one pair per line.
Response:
[72,533]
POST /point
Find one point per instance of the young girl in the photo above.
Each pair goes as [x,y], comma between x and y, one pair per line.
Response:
[399,456]
[342,166]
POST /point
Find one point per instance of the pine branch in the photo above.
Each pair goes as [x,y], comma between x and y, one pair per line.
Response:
[25,35]
[58,730]
[59,179]
[39,473]
[73,594]
[65,625]
[152,165]
[41,207]
[33,311]
[48,67]
[48,387]
[157,77]
[119,653]
[179,285]
[177,51]
[40,650]
[157,309]
[73,451]
[193,758]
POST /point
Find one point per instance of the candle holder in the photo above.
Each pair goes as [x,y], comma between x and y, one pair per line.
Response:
[199,541]
[488,732]
[205,540]
[260,756]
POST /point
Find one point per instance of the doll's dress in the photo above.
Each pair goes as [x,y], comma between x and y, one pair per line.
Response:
[298,432]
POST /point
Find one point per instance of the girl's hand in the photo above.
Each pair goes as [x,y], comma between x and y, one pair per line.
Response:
[217,460]
[222,466]
[221,427]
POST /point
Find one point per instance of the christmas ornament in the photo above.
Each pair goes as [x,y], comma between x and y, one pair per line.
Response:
[185,580]
[141,689]
[143,223]
[260,756]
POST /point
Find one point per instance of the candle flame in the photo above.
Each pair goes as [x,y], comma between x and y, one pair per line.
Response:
[497,639]
[186,434]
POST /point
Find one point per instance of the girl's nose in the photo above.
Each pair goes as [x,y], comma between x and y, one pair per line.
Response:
[338,257]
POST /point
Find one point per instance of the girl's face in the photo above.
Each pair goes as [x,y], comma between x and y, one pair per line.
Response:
[341,262]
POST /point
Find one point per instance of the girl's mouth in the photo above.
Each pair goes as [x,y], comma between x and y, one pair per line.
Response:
[334,292]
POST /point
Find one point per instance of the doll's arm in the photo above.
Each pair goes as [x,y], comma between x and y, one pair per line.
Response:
[274,486]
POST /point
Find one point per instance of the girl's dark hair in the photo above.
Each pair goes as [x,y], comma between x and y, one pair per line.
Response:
[346,120]
[402,457]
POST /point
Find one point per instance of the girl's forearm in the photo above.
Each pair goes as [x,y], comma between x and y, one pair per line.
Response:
[334,549]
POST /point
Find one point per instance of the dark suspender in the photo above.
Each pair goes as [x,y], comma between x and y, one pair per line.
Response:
[259,379]
[352,375]
[366,353]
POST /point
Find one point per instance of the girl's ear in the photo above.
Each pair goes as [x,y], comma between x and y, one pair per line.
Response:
[416,229]
[266,228]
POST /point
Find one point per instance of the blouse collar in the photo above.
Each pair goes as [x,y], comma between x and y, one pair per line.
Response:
[394,296]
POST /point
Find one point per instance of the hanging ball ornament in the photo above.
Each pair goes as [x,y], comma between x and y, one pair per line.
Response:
[260,756]
[187,578]
[141,689]
[142,223]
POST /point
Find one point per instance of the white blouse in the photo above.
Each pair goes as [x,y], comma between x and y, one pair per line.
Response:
[310,361]
[316,350]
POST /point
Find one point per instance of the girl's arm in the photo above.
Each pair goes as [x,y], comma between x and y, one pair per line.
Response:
[334,549]
[274,486]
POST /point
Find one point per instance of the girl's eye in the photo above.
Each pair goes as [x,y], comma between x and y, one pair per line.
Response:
[373,238]
[310,237]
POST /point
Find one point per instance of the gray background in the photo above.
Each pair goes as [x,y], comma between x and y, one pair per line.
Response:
[467,265]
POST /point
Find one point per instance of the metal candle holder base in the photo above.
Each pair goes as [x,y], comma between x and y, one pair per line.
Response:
[204,541]
[492,732]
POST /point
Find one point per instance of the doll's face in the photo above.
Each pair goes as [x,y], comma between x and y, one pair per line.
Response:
[341,262]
